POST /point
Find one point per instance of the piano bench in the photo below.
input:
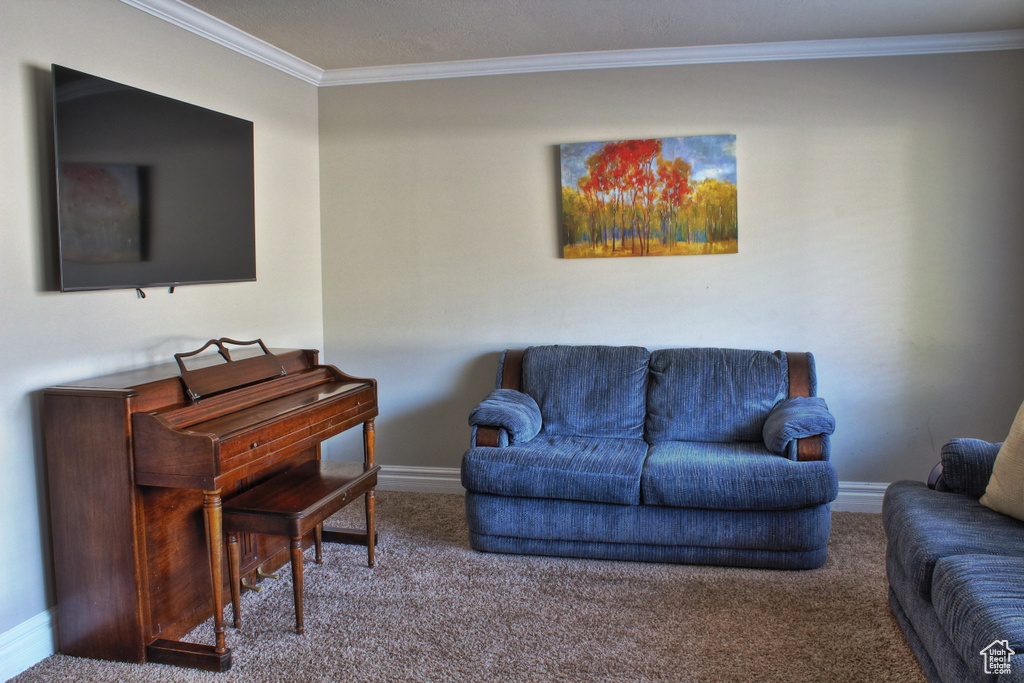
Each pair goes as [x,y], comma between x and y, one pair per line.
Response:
[292,504]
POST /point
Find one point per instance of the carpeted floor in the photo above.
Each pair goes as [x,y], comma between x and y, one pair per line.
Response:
[434,610]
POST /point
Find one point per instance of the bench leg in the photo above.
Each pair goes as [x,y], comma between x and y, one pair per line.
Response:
[296,550]
[234,560]
[369,441]
[318,543]
[370,530]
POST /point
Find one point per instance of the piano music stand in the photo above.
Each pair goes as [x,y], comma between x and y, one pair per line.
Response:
[232,373]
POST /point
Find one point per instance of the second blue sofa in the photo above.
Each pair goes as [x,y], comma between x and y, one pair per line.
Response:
[700,456]
[956,569]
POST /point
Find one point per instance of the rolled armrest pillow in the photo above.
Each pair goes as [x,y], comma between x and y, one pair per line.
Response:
[511,410]
[967,465]
[796,418]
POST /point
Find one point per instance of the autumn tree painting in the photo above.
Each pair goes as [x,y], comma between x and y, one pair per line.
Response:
[649,197]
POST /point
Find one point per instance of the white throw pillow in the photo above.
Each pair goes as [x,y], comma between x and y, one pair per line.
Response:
[1005,490]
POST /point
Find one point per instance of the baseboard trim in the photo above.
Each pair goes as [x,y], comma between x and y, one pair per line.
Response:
[854,496]
[860,496]
[28,643]
[420,479]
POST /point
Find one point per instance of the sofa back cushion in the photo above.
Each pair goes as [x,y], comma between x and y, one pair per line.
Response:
[588,390]
[713,395]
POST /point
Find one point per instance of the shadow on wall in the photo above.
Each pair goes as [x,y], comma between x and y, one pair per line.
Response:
[35,401]
[965,318]
[46,178]
[431,431]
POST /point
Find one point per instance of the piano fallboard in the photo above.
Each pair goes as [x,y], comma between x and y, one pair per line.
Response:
[212,443]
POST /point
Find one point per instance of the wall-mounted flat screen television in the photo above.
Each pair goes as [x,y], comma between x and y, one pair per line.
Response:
[151,191]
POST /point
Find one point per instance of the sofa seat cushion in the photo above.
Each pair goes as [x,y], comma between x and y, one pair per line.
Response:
[598,391]
[922,526]
[567,467]
[979,599]
[736,476]
[713,394]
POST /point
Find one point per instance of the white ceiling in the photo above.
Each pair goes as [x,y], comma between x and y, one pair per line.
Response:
[348,34]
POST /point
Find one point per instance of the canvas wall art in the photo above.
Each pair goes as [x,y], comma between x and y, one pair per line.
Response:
[673,196]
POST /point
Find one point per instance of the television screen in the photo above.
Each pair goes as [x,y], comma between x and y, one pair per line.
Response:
[151,191]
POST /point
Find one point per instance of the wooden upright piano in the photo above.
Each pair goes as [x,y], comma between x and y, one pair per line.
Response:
[137,465]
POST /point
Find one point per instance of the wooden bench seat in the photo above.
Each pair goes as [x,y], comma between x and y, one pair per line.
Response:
[292,504]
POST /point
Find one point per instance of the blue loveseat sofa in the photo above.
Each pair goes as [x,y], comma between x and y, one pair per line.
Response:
[956,568]
[698,456]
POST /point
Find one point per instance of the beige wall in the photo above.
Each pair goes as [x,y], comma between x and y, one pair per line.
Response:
[48,337]
[880,228]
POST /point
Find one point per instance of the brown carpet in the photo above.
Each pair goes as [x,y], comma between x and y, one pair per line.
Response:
[434,610]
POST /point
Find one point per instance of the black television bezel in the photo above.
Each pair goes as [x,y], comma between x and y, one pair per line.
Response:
[142,282]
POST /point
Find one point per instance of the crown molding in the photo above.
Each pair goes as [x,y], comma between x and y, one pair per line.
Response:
[680,56]
[222,33]
[209,27]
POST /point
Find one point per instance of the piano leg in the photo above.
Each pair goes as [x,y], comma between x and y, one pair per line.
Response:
[215,544]
[192,655]
[355,536]
[369,432]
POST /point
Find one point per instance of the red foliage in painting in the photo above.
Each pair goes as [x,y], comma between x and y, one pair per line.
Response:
[626,172]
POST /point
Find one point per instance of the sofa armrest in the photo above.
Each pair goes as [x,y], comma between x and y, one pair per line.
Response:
[803,383]
[792,419]
[505,417]
[967,466]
